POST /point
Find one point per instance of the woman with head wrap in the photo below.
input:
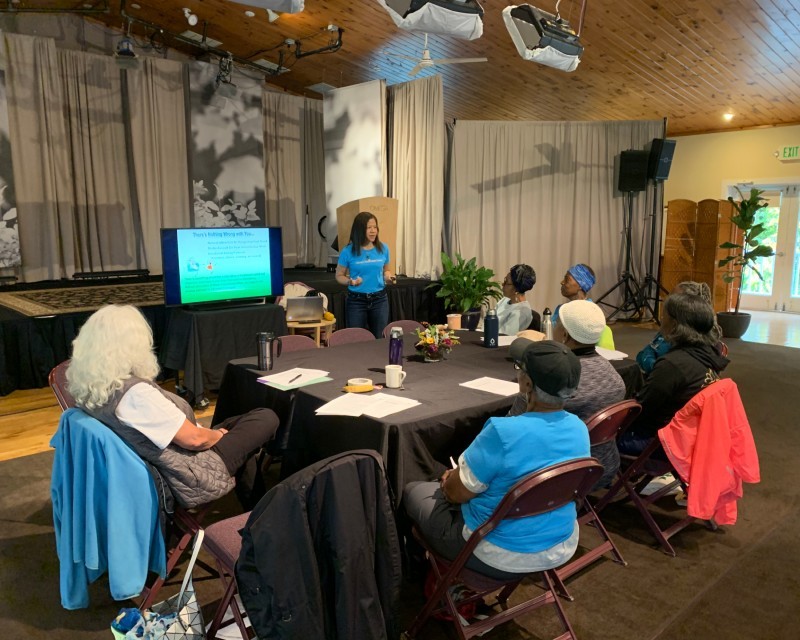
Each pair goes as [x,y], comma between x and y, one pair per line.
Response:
[514,311]
[577,282]
[659,346]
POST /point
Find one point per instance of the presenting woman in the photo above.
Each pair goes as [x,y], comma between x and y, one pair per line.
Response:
[364,268]
[112,378]
[514,311]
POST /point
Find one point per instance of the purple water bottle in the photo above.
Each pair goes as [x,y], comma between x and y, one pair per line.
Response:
[396,345]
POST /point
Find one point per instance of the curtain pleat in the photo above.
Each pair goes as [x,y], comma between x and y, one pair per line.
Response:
[158,144]
[417,173]
[294,174]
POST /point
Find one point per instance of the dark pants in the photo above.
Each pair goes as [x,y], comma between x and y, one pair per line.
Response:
[240,449]
[368,311]
[441,523]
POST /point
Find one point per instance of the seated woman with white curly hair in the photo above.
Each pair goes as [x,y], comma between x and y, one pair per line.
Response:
[112,378]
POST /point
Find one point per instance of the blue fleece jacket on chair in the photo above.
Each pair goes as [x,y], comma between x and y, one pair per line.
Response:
[105,512]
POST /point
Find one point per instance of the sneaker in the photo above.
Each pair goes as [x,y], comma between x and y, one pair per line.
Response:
[658,483]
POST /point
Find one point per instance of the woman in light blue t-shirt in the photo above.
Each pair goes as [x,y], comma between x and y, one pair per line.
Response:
[364,268]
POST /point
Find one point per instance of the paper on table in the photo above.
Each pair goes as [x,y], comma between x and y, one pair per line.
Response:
[610,354]
[347,404]
[293,378]
[378,405]
[384,405]
[504,341]
[295,385]
[493,385]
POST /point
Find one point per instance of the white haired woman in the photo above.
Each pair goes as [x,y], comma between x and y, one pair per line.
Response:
[112,378]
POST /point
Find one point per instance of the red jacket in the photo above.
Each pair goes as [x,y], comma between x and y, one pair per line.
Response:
[710,444]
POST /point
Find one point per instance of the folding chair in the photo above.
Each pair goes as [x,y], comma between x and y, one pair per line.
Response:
[604,426]
[408,326]
[346,336]
[183,523]
[224,542]
[540,492]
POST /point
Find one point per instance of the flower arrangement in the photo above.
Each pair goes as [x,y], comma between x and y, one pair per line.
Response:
[435,340]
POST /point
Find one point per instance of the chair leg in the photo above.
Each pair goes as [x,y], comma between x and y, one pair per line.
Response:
[226,602]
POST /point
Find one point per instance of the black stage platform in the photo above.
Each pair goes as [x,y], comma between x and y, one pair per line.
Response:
[31,346]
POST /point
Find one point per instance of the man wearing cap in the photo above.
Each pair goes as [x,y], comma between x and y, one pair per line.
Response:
[580,326]
[505,451]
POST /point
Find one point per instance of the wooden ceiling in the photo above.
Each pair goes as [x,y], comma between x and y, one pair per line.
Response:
[688,60]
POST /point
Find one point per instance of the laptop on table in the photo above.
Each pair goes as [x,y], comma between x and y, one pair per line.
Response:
[306,310]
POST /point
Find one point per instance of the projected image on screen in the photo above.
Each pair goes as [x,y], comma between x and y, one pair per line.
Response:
[212,265]
[222,262]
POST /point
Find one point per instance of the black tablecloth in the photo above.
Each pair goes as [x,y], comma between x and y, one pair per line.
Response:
[200,342]
[416,444]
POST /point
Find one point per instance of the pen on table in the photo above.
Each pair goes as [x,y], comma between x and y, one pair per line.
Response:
[453,462]
[297,377]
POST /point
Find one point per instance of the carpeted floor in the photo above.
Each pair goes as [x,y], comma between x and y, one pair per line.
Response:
[87,298]
[737,583]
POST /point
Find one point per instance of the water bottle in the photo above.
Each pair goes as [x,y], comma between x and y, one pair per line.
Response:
[396,345]
[263,350]
[547,324]
[491,329]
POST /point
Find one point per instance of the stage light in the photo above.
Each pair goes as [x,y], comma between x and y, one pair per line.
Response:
[727,116]
[222,84]
[190,17]
[124,55]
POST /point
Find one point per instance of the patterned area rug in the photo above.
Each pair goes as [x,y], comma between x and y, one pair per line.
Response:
[45,302]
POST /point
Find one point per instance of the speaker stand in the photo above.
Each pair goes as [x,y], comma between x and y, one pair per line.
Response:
[634,298]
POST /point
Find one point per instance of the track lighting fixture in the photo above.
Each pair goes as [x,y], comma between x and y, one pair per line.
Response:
[272,15]
[125,56]
[191,18]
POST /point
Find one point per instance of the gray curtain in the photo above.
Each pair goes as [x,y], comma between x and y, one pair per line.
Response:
[544,193]
[294,174]
[158,151]
[416,173]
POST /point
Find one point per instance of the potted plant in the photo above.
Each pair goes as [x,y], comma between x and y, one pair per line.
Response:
[465,287]
[743,256]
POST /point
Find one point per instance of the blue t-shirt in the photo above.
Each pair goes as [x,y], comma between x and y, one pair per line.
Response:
[369,265]
[507,450]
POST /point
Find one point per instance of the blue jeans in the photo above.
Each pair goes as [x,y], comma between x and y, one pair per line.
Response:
[368,311]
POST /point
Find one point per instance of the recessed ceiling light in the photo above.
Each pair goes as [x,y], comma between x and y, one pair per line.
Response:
[727,116]
[136,6]
[249,14]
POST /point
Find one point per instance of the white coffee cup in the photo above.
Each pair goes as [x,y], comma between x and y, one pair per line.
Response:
[394,376]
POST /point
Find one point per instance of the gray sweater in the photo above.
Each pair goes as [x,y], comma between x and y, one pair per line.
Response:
[195,477]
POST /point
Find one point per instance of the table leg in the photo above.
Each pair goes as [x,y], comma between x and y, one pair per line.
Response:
[317,335]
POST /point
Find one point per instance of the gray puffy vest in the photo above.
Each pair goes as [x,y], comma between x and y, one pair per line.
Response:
[195,477]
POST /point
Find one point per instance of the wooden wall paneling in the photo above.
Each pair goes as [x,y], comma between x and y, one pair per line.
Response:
[679,244]
[641,61]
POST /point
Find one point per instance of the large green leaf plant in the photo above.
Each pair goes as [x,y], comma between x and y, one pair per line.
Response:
[745,255]
[464,285]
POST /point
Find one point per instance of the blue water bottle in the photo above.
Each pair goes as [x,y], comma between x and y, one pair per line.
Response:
[491,329]
[396,345]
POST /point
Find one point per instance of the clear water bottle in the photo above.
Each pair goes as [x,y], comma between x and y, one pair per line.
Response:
[396,345]
[491,329]
[547,324]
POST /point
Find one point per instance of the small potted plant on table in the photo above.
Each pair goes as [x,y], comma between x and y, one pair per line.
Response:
[743,256]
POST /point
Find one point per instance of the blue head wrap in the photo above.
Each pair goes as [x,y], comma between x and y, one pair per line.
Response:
[582,276]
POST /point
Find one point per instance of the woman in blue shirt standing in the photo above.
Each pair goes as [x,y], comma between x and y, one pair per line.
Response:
[364,268]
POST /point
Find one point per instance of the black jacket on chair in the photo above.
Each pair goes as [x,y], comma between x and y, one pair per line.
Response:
[321,555]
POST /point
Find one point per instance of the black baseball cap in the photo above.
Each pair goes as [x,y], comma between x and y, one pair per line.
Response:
[551,365]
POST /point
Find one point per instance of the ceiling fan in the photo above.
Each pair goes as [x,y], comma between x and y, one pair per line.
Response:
[425,61]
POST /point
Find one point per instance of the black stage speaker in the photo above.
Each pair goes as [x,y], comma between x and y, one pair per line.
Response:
[633,171]
[661,152]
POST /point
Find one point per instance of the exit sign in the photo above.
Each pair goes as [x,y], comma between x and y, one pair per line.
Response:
[787,154]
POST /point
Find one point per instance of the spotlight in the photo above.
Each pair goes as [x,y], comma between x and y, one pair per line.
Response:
[125,56]
[190,17]
[272,15]
[222,84]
